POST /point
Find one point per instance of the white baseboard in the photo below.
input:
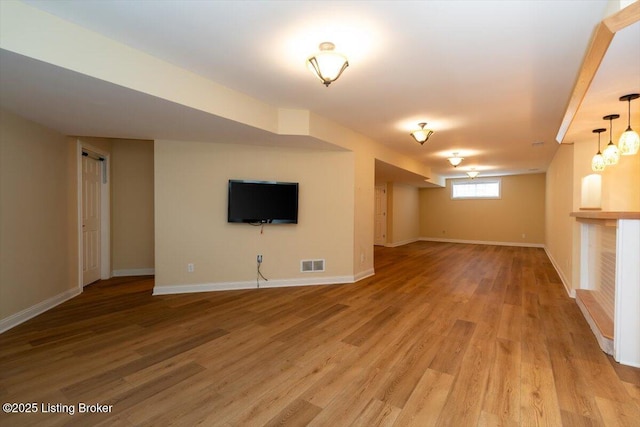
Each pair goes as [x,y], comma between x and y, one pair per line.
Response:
[483,242]
[228,286]
[565,282]
[31,312]
[134,272]
[363,275]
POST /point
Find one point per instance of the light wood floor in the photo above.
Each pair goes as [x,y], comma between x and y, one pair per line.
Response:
[443,335]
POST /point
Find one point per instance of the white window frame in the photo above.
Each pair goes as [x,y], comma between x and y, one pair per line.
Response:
[477,181]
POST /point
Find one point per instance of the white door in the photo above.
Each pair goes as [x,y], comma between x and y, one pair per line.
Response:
[91,177]
[380,221]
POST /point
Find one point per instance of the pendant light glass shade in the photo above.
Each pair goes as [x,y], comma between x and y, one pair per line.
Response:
[327,64]
[611,153]
[472,173]
[455,160]
[629,142]
[597,163]
[421,135]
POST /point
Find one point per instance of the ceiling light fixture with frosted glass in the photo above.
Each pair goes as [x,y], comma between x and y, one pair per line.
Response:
[327,64]
[473,173]
[421,135]
[455,160]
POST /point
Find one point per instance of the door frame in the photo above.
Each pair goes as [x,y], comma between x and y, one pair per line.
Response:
[105,210]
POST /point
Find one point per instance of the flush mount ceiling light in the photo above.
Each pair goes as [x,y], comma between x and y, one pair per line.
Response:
[611,153]
[421,135]
[472,173]
[327,64]
[629,142]
[597,163]
[455,160]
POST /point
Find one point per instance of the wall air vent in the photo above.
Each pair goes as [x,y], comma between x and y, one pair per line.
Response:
[311,265]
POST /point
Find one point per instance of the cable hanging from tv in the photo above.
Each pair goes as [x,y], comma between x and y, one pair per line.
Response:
[259,275]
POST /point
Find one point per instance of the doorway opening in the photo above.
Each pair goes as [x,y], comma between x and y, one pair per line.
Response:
[94,222]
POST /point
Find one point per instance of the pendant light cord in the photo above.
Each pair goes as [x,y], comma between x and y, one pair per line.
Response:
[599,141]
[610,127]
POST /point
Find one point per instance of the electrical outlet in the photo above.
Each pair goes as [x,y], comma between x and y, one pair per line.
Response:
[259,259]
[191,268]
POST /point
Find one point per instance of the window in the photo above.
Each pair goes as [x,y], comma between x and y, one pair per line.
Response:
[477,189]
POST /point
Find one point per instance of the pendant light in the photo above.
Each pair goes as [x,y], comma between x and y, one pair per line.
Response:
[455,160]
[611,153]
[597,163]
[421,135]
[472,173]
[327,64]
[629,142]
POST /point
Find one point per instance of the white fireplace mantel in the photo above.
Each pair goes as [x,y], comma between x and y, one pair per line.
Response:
[626,317]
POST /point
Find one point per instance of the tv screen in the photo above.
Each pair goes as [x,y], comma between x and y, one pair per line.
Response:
[263,202]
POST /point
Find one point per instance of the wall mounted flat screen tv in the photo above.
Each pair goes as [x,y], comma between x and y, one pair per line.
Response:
[263,202]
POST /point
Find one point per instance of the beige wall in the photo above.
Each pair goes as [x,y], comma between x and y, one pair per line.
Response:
[101,144]
[363,190]
[520,211]
[403,210]
[620,183]
[37,215]
[132,223]
[75,48]
[191,182]
[559,229]
[620,192]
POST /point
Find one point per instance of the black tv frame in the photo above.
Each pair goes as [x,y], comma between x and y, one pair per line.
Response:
[261,202]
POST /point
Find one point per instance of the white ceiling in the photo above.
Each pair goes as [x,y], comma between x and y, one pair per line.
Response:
[490,77]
